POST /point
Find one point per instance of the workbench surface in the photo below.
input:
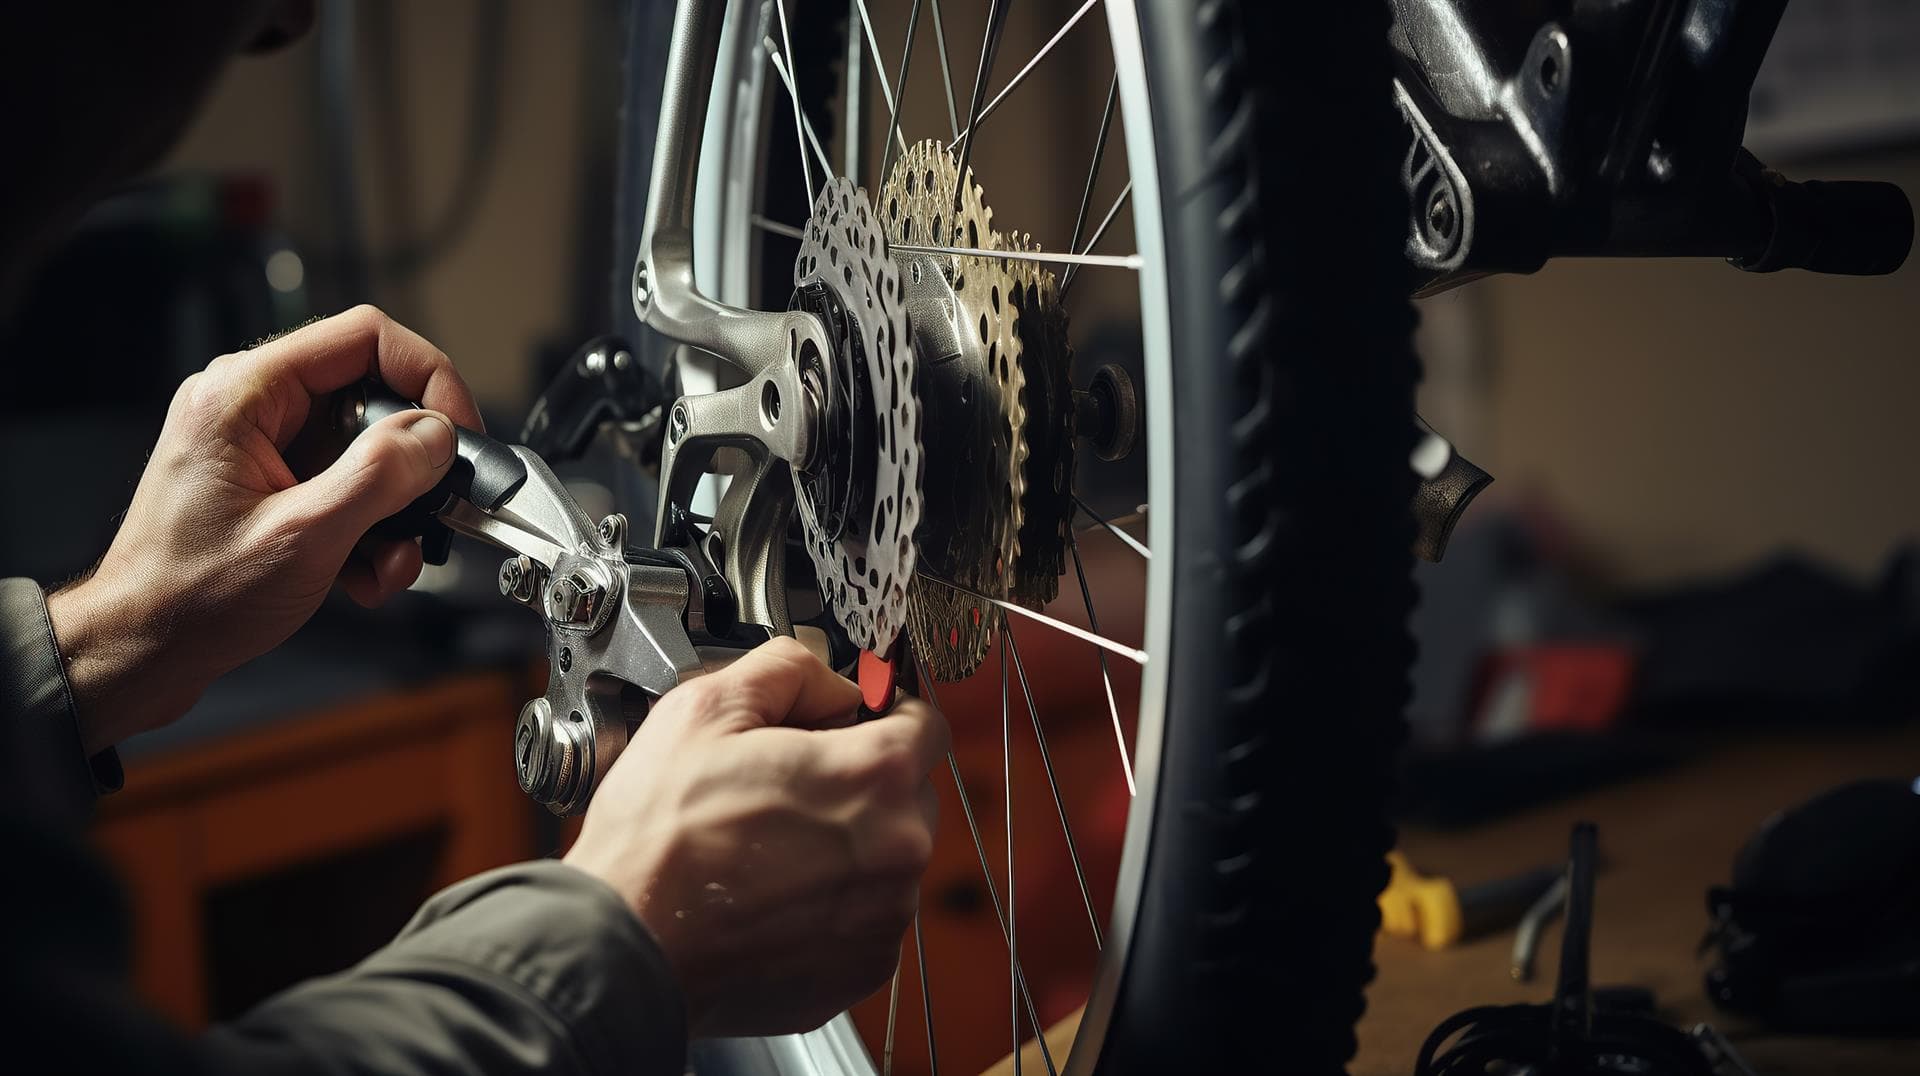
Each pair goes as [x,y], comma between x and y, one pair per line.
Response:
[1663,840]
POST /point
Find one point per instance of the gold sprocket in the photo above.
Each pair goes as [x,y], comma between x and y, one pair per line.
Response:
[950,628]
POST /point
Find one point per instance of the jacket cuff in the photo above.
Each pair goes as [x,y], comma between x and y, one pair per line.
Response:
[568,940]
[49,762]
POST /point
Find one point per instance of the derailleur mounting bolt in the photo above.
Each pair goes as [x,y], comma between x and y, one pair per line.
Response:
[519,579]
[642,286]
[613,531]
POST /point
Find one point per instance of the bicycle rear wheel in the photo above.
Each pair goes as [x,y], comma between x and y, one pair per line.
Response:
[1275,373]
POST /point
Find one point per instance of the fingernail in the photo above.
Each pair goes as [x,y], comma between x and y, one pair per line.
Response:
[436,436]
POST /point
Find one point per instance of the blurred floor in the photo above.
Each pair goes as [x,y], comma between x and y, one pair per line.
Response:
[1663,841]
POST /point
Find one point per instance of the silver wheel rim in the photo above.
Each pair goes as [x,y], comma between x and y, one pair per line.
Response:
[726,201]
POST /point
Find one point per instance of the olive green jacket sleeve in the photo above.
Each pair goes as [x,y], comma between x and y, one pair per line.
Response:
[535,968]
[46,770]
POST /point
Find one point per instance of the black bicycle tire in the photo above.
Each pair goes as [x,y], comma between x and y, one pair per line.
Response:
[1277,147]
[1256,914]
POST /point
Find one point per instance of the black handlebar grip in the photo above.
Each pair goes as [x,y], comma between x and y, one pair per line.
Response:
[1845,227]
[484,471]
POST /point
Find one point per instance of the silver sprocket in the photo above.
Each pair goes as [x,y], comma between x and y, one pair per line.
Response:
[977,547]
[864,569]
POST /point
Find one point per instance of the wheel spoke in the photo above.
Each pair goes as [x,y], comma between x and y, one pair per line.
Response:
[766,224]
[1138,546]
[1059,804]
[1112,212]
[893,1012]
[800,128]
[1106,676]
[805,125]
[1013,923]
[880,68]
[1109,261]
[946,73]
[986,871]
[1131,653]
[989,44]
[853,97]
[926,997]
[1138,515]
[893,116]
[1093,167]
[975,121]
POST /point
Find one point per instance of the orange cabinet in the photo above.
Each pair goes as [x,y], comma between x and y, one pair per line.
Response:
[294,849]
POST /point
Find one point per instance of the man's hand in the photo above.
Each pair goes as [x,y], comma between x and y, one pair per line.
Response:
[224,553]
[772,848]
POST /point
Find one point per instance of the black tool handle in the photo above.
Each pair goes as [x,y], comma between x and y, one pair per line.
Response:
[485,472]
[1572,1018]
[1496,905]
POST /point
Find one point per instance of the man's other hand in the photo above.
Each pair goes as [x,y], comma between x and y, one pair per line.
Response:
[772,847]
[224,553]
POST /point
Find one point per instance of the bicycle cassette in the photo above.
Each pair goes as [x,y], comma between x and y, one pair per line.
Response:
[860,497]
[967,336]
[1047,506]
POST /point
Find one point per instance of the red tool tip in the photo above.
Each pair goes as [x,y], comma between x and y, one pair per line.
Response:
[877,679]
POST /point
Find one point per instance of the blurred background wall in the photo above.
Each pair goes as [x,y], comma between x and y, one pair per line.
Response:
[503,280]
[1687,418]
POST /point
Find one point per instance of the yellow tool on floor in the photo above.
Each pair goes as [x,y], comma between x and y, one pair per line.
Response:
[1431,910]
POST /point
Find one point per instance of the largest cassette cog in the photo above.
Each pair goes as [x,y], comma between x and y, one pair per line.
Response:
[860,505]
[967,335]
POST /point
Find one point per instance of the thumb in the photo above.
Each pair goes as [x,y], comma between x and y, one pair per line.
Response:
[382,471]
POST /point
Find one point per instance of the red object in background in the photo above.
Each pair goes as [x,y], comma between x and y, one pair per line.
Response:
[246,201]
[1579,687]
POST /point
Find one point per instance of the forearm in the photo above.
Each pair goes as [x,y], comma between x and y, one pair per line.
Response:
[533,968]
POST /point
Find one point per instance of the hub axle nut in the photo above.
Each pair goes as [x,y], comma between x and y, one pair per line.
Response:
[1109,413]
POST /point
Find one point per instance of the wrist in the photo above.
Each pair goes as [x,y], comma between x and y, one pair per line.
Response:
[634,876]
[108,649]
